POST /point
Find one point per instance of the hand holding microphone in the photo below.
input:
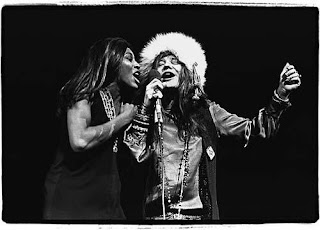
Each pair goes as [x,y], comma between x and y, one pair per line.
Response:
[154,88]
[153,92]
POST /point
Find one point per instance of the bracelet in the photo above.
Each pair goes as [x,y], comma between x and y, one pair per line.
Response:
[140,123]
[278,97]
[141,117]
[141,129]
[143,109]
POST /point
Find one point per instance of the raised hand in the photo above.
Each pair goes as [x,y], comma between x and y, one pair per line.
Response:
[290,80]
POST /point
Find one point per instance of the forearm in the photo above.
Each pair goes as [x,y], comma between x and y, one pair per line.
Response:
[93,136]
[265,124]
[135,136]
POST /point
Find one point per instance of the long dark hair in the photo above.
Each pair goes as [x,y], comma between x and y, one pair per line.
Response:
[98,69]
[185,108]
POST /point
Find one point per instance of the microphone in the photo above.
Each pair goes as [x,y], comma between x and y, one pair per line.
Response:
[157,112]
[144,81]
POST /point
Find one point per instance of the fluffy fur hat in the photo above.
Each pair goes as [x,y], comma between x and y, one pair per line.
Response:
[186,48]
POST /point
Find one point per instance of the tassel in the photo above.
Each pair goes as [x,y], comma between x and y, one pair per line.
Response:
[196,83]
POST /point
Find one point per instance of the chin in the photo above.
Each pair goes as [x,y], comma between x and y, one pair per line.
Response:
[172,86]
[170,90]
[133,85]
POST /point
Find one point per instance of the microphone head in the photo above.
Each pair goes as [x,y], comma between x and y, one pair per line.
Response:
[153,74]
[144,81]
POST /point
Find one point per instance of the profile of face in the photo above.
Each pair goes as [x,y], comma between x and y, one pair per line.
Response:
[169,68]
[129,69]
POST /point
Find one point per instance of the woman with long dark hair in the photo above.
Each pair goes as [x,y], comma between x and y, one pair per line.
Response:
[179,138]
[94,108]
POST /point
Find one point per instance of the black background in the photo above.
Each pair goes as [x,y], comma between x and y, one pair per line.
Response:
[269,181]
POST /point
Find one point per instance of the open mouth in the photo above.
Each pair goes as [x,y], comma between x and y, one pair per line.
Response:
[167,76]
[136,76]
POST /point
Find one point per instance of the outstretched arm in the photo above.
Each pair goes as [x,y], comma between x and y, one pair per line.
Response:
[266,123]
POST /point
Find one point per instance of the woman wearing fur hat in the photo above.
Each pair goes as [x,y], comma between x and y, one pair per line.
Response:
[182,143]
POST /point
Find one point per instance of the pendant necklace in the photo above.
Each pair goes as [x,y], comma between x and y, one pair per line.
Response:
[185,175]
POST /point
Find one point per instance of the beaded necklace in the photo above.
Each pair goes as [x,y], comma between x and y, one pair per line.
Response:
[165,181]
[110,111]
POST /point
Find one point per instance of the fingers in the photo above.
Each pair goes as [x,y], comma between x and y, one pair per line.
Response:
[153,89]
[126,106]
[285,68]
[155,83]
[289,73]
[290,79]
[157,94]
[292,76]
[153,93]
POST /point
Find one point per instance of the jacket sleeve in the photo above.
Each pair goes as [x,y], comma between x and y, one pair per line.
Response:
[265,124]
[135,136]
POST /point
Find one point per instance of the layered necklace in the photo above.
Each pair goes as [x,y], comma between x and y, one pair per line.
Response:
[110,111]
[182,171]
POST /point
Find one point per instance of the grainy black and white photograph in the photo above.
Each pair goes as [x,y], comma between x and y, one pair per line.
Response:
[159,114]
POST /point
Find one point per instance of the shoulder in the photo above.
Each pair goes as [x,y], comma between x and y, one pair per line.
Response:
[216,110]
[81,104]
[213,105]
[81,107]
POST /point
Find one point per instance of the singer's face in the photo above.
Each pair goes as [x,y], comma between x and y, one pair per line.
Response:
[169,68]
[129,69]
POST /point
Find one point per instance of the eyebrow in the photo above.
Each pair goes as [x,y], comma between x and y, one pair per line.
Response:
[169,57]
[129,53]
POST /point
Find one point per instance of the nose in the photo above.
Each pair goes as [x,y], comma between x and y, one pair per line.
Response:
[136,65]
[167,65]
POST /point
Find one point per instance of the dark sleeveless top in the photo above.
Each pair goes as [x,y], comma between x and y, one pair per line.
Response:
[84,185]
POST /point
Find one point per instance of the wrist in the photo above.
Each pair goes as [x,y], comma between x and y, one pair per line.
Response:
[124,118]
[143,109]
[141,120]
[282,94]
